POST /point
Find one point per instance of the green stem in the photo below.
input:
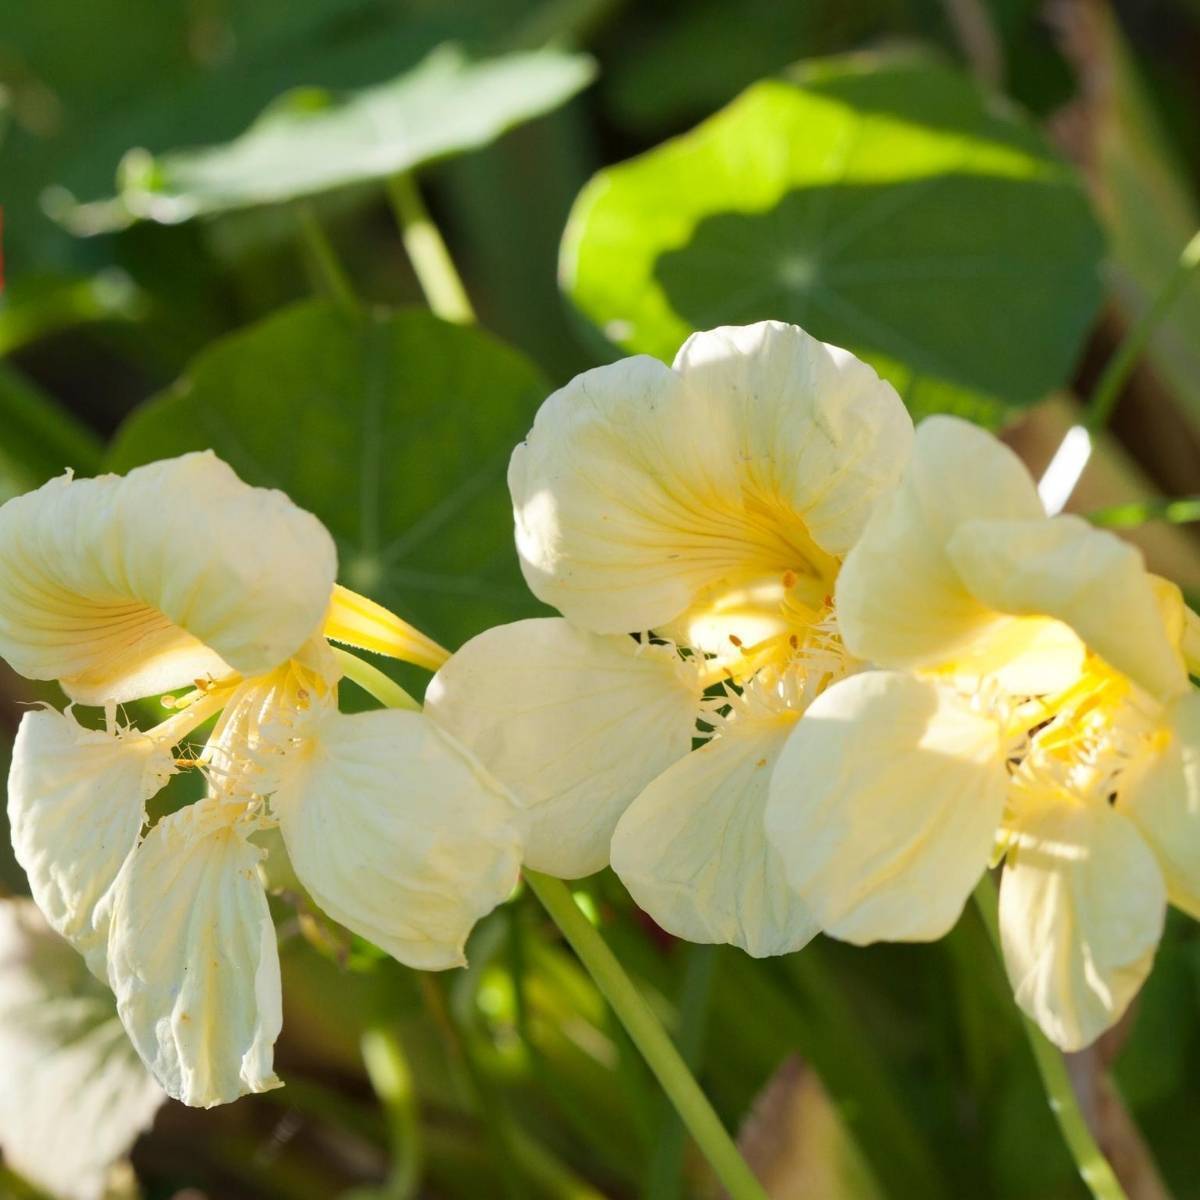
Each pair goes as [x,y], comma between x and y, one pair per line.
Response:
[650,1038]
[665,1178]
[1108,390]
[387,1068]
[497,1124]
[1179,511]
[373,681]
[334,280]
[435,270]
[1093,1167]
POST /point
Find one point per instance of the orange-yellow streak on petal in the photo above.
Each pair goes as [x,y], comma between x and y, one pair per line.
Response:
[356,621]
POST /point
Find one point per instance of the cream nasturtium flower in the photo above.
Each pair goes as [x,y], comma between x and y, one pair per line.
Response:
[704,507]
[1036,708]
[180,576]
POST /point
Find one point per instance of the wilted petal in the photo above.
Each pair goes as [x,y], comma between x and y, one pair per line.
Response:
[884,806]
[123,587]
[193,961]
[1163,800]
[76,803]
[1082,903]
[73,1093]
[398,833]
[1085,577]
[900,600]
[639,485]
[693,852]
[574,724]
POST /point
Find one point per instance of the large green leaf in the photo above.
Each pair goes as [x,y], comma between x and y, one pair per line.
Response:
[394,428]
[883,203]
[312,140]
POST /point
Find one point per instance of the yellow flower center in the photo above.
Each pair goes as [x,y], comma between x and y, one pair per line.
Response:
[768,627]
[1082,740]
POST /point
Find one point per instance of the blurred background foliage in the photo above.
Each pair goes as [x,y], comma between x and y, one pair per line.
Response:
[978,195]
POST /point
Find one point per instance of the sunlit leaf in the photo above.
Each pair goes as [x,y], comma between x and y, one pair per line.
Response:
[883,203]
[312,140]
[395,429]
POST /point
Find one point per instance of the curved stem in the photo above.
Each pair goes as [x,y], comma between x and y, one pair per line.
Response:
[436,273]
[1093,1167]
[650,1038]
[373,681]
[387,1068]
[1179,511]
[1108,389]
[334,280]
[665,1177]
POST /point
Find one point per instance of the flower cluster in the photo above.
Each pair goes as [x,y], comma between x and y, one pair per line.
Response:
[180,582]
[899,668]
[813,673]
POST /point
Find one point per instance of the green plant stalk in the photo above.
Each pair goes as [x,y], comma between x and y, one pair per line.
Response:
[332,276]
[648,1035]
[1093,1167]
[496,1123]
[626,1001]
[435,270]
[665,1177]
[387,1068]
[1108,390]
[1179,511]
[374,682]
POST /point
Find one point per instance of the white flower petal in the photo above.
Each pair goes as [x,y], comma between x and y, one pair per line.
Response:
[693,852]
[1082,904]
[1025,656]
[1163,800]
[900,600]
[122,587]
[76,803]
[640,485]
[193,961]
[884,807]
[74,1095]
[1085,577]
[398,833]
[574,724]
[812,425]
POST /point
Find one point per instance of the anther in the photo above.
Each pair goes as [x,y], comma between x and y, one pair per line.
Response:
[737,641]
[789,579]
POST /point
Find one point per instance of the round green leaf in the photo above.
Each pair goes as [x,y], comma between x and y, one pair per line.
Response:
[394,428]
[312,140]
[886,205]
